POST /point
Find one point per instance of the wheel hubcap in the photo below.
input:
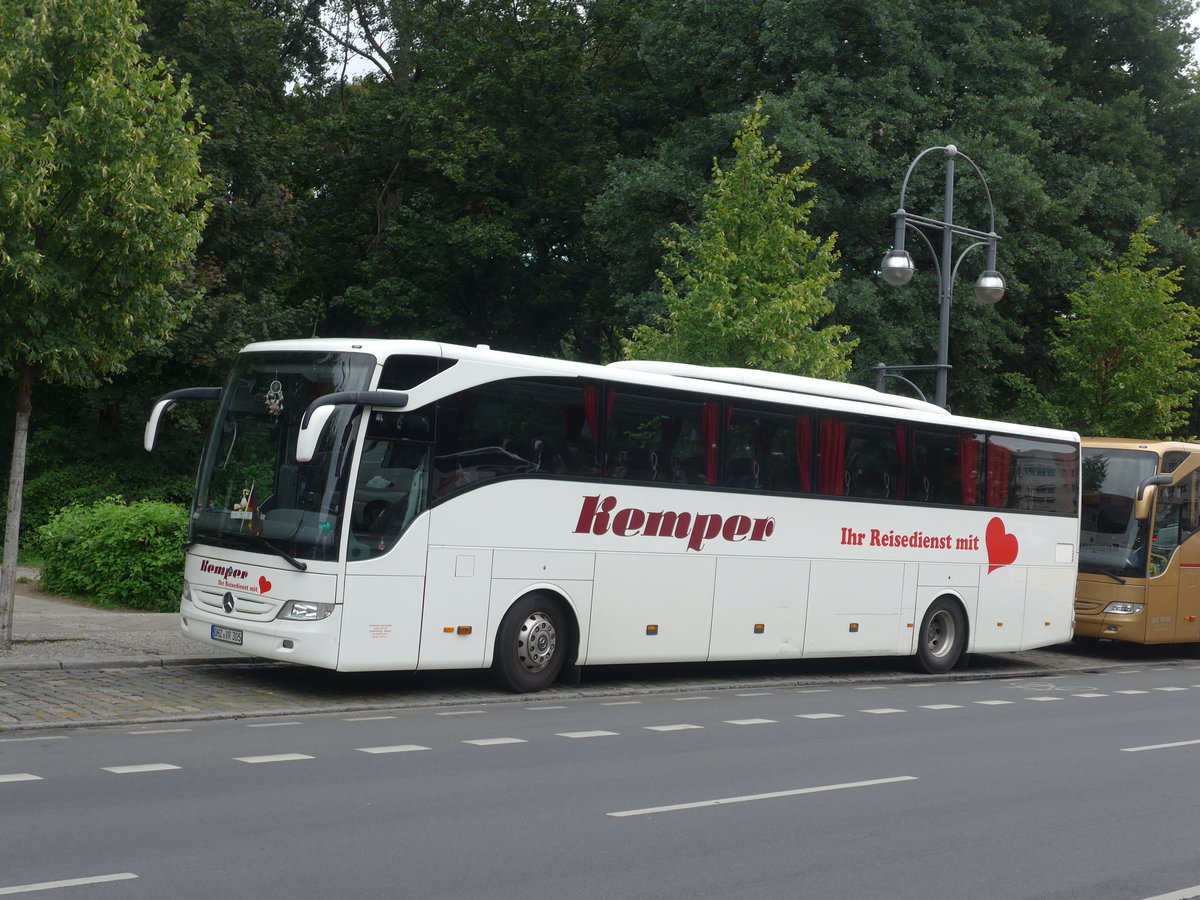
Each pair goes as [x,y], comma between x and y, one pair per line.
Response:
[939,636]
[536,642]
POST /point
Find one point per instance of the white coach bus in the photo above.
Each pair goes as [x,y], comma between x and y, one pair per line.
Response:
[401,505]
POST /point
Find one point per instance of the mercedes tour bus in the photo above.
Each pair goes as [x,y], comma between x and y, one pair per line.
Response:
[411,505]
[1139,558]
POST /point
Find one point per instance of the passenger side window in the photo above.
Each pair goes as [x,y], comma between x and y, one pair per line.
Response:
[665,439]
[515,427]
[767,451]
[393,480]
[1034,475]
[1176,519]
[861,459]
[945,467]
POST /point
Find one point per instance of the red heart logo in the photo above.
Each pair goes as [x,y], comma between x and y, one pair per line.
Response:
[264,585]
[1001,546]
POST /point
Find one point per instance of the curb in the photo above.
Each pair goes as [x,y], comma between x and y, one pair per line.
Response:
[565,692]
[157,662]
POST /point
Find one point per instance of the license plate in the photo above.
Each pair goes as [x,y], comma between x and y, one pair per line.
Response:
[228,635]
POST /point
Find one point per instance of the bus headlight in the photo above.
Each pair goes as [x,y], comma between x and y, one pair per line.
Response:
[305,611]
[1124,609]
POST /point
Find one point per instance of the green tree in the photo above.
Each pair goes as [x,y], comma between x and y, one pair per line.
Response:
[453,199]
[1083,122]
[1124,351]
[749,284]
[99,160]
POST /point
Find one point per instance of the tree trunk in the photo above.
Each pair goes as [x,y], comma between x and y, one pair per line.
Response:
[16,487]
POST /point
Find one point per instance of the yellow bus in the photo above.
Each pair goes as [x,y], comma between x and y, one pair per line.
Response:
[1139,552]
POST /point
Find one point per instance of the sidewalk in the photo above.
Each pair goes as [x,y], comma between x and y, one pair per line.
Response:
[73,664]
[54,633]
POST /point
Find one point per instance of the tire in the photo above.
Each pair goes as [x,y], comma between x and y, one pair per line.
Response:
[942,638]
[531,645]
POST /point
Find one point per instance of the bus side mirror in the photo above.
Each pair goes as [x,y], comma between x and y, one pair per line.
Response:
[310,433]
[1144,499]
[165,402]
[312,423]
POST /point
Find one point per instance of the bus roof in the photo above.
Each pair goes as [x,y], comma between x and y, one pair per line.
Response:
[717,380]
[777,381]
[1109,443]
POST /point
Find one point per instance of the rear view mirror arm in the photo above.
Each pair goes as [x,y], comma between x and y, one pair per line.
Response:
[166,401]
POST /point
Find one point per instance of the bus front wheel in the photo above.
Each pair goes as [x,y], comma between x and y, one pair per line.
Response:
[530,645]
[942,638]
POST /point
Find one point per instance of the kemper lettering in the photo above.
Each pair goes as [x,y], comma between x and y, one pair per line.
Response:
[223,571]
[601,516]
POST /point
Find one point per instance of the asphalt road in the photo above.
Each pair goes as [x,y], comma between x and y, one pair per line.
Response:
[1069,787]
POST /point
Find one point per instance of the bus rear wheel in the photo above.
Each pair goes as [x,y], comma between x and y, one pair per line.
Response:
[530,645]
[942,638]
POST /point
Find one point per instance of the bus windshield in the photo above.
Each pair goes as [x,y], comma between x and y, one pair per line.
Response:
[1111,541]
[251,492]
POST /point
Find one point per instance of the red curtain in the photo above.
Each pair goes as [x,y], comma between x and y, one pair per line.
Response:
[832,473]
[968,461]
[999,464]
[804,452]
[589,407]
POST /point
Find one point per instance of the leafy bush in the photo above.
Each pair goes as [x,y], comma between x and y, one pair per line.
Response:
[125,554]
[82,484]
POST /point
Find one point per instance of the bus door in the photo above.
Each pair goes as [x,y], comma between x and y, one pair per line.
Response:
[1173,594]
[386,544]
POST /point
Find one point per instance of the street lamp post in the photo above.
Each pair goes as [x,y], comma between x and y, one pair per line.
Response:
[898,268]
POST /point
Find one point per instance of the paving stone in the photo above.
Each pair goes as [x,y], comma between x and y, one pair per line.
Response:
[73,664]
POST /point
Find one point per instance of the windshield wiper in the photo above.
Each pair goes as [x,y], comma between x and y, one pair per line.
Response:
[243,541]
[1096,570]
[302,566]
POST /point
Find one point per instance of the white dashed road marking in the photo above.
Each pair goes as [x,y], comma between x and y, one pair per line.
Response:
[495,742]
[398,748]
[278,757]
[751,721]
[771,796]
[820,716]
[942,706]
[1159,746]
[680,727]
[70,882]
[1185,894]
[137,770]
[587,734]
[19,776]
